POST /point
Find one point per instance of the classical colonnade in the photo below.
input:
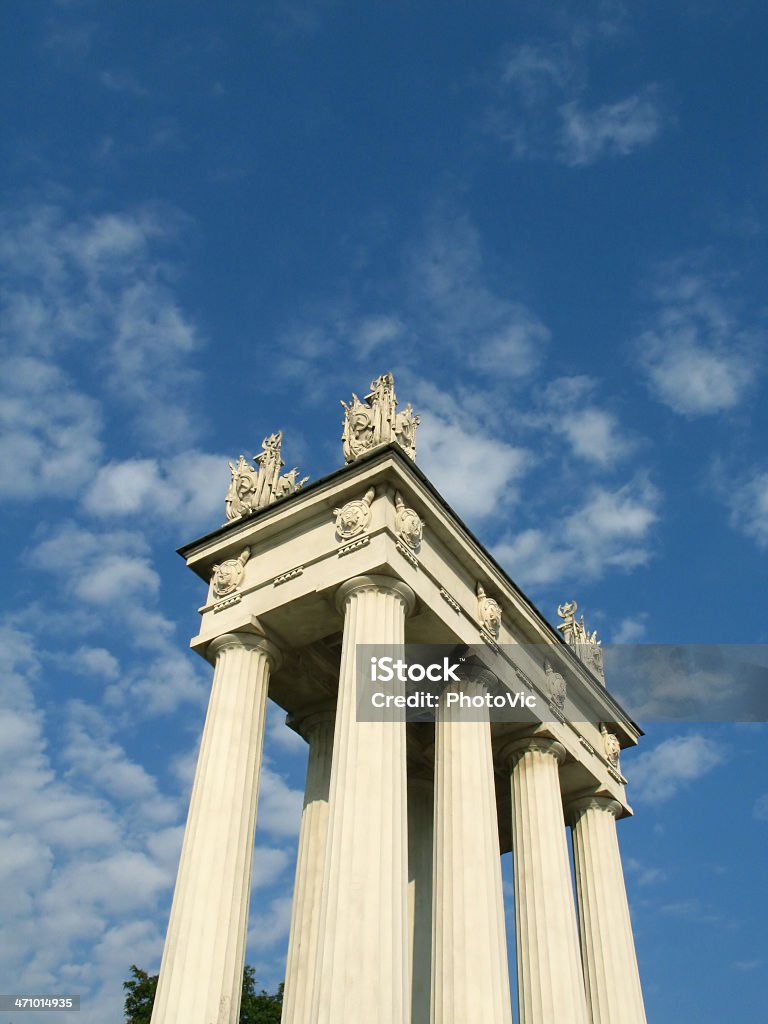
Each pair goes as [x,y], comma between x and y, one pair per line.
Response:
[398,914]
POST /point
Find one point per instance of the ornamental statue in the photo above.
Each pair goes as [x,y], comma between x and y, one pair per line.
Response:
[611,746]
[556,686]
[408,525]
[252,489]
[489,612]
[585,644]
[228,576]
[374,421]
[354,517]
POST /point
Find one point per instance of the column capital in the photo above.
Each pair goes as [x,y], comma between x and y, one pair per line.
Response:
[577,805]
[245,642]
[379,584]
[307,719]
[513,751]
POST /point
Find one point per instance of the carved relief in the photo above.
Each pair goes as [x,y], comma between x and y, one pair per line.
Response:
[408,525]
[374,421]
[228,576]
[251,489]
[556,686]
[489,612]
[611,747]
[354,517]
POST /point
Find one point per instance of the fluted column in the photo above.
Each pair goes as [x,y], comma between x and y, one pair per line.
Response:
[362,968]
[420,842]
[607,945]
[201,972]
[470,975]
[549,977]
[317,729]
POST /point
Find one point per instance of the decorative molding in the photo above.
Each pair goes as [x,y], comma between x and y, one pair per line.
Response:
[354,546]
[227,602]
[354,517]
[489,639]
[251,489]
[291,574]
[374,421]
[450,599]
[587,745]
[407,554]
[228,576]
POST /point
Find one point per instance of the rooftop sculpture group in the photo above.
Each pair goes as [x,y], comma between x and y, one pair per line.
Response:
[374,421]
[252,489]
[576,635]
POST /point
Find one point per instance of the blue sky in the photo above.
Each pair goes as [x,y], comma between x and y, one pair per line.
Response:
[549,221]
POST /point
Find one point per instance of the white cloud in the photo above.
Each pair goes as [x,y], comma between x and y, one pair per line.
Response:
[659,774]
[474,472]
[592,431]
[96,661]
[698,356]
[748,503]
[612,129]
[610,530]
[630,629]
[279,811]
[95,289]
[49,432]
[189,489]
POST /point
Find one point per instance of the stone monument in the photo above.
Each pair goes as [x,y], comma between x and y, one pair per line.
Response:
[398,915]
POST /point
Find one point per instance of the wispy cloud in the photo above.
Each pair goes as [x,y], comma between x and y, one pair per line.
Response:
[611,529]
[611,129]
[698,354]
[545,108]
[658,775]
[96,291]
[746,496]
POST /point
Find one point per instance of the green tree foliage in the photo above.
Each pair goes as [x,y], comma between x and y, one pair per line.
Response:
[255,1007]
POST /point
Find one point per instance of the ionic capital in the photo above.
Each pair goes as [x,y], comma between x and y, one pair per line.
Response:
[577,806]
[377,584]
[514,751]
[245,642]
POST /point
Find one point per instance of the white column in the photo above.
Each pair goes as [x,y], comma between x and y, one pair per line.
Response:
[201,973]
[362,967]
[420,842]
[470,974]
[317,729]
[549,977]
[608,948]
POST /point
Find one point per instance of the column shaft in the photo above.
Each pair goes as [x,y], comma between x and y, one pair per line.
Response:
[608,948]
[470,974]
[202,967]
[550,982]
[362,967]
[420,841]
[310,867]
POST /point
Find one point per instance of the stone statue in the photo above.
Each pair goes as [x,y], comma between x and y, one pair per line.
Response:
[489,612]
[252,489]
[556,685]
[374,421]
[408,525]
[611,746]
[229,575]
[585,644]
[354,517]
